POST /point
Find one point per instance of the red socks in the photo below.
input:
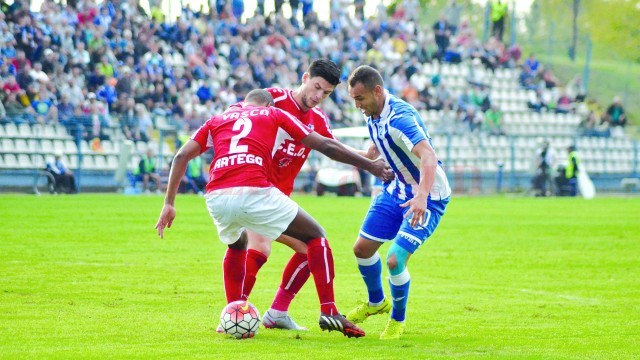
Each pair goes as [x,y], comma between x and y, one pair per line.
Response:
[255,260]
[239,281]
[295,275]
[233,273]
[321,266]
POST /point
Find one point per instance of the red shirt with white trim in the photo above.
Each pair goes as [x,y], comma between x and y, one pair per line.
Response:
[243,139]
[291,154]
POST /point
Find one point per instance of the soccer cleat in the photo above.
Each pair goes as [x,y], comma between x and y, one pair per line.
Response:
[362,312]
[393,330]
[340,323]
[282,322]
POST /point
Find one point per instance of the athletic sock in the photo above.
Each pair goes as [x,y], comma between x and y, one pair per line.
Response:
[371,270]
[233,273]
[321,266]
[255,260]
[399,294]
[294,277]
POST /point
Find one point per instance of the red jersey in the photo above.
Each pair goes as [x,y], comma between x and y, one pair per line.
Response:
[243,139]
[291,154]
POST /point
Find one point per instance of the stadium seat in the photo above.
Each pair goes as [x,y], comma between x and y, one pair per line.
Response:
[24,130]
[100,162]
[38,131]
[10,161]
[88,162]
[61,132]
[38,161]
[112,162]
[85,148]
[24,161]
[11,130]
[46,146]
[71,161]
[21,146]
[58,146]
[7,146]
[107,146]
[70,147]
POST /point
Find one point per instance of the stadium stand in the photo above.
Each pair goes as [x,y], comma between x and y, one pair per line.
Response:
[124,76]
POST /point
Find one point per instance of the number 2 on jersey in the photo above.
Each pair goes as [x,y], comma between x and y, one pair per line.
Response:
[244,125]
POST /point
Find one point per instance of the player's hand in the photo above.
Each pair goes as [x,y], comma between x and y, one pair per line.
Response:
[167,215]
[382,170]
[417,211]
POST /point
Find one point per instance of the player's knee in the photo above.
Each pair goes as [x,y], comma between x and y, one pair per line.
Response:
[392,263]
[397,259]
[360,250]
[261,244]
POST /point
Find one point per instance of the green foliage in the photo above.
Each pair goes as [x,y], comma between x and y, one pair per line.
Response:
[610,26]
[502,278]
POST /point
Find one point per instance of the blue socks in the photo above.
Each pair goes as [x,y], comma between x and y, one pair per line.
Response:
[399,294]
[371,270]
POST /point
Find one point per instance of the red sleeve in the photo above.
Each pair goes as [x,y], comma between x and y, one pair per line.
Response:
[290,124]
[203,136]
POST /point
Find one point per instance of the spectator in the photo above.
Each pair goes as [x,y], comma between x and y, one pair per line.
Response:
[498,15]
[545,161]
[615,114]
[146,171]
[571,171]
[565,104]
[442,33]
[535,100]
[473,119]
[64,178]
[493,120]
[533,66]
[194,176]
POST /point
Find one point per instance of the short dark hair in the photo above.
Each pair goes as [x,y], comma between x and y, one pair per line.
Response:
[367,76]
[259,97]
[326,69]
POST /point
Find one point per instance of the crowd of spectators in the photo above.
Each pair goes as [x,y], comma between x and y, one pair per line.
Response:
[113,65]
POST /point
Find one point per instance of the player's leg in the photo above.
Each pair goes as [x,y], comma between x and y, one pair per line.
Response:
[381,224]
[226,209]
[233,268]
[407,241]
[295,275]
[320,259]
[145,182]
[258,250]
[399,280]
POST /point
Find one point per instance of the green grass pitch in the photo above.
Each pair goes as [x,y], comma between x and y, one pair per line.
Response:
[502,278]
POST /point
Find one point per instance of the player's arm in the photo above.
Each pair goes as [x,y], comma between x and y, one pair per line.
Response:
[428,165]
[188,151]
[339,152]
[371,153]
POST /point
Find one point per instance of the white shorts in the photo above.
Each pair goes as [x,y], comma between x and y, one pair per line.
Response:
[267,211]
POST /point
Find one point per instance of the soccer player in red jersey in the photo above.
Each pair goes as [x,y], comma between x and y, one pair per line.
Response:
[240,195]
[318,82]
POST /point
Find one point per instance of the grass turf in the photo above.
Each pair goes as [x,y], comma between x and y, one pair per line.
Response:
[528,278]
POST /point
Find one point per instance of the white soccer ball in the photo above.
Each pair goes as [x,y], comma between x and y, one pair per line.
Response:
[240,319]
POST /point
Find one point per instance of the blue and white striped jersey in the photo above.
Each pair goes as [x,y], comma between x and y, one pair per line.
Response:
[395,133]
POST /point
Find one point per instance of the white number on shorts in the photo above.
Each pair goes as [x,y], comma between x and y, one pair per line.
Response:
[244,125]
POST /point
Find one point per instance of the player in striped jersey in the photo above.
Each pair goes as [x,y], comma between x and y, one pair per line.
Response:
[409,208]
